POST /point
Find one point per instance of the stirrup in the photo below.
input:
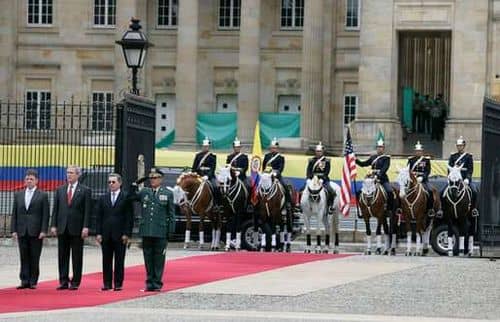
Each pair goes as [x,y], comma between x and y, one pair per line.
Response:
[439,213]
[330,209]
[475,212]
[431,213]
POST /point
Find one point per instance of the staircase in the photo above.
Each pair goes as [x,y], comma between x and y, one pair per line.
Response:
[431,148]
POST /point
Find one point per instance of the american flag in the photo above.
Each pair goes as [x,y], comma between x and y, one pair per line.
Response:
[348,174]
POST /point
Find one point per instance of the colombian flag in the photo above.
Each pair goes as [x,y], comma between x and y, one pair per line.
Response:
[255,163]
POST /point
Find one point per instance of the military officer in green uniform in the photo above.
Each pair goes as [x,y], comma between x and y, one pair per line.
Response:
[157,220]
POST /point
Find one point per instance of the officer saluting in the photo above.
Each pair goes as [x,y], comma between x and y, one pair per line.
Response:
[238,161]
[157,219]
[380,163]
[319,166]
[465,160]
[421,166]
[204,164]
[274,163]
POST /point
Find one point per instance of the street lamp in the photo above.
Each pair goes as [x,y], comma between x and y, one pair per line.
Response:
[134,44]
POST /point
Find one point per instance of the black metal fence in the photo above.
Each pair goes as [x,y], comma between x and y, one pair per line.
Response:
[48,136]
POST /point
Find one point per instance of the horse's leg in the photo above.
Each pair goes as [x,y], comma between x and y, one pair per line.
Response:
[307,224]
[378,233]
[201,231]
[368,250]
[334,231]
[462,223]
[418,232]
[394,221]
[387,236]
[218,231]
[319,221]
[237,229]
[187,233]
[326,224]
[426,237]
[408,226]
[289,229]
[229,224]
[450,235]
[471,233]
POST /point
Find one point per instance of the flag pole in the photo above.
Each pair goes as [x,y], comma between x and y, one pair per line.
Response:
[357,213]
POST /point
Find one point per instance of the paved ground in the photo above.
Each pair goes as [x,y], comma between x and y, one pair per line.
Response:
[358,288]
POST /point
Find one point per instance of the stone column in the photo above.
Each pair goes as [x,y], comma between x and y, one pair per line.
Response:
[377,79]
[8,30]
[468,72]
[125,10]
[312,71]
[186,88]
[249,69]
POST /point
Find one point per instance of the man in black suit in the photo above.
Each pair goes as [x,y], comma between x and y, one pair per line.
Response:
[70,221]
[114,227]
[29,223]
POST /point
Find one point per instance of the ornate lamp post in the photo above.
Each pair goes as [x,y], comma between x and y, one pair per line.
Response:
[134,44]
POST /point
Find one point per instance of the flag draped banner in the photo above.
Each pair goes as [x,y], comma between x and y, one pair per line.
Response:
[348,174]
[255,163]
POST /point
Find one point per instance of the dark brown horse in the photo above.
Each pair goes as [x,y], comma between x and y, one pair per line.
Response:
[194,195]
[372,202]
[414,206]
[457,200]
[270,209]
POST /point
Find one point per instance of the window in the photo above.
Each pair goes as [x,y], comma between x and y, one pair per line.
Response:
[289,104]
[292,14]
[350,106]
[105,13]
[227,103]
[102,111]
[167,13]
[352,14]
[39,12]
[37,110]
[229,14]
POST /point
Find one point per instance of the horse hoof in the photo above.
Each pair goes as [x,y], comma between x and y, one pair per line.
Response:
[186,246]
[425,251]
[408,253]
[288,248]
[450,253]
[335,251]
[393,252]
[325,251]
[368,252]
[226,249]
[418,254]
[386,252]
[378,251]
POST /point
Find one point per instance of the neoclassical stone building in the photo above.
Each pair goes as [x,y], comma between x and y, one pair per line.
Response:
[335,62]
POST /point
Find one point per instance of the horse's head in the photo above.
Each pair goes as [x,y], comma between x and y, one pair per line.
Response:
[369,186]
[224,178]
[455,182]
[188,181]
[404,180]
[314,187]
[179,195]
[266,181]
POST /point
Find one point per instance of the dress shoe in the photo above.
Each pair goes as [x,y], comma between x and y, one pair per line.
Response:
[62,287]
[73,288]
[105,288]
[22,286]
[32,287]
[118,288]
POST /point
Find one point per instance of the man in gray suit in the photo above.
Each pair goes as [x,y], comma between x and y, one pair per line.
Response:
[70,222]
[29,223]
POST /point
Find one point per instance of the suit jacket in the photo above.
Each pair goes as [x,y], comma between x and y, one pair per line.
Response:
[114,221]
[467,162]
[35,219]
[319,168]
[379,163]
[72,217]
[277,163]
[421,166]
[240,163]
[205,166]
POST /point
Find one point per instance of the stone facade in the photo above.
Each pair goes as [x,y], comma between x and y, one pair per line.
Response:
[259,61]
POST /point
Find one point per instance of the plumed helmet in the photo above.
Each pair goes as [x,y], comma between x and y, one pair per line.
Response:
[380,142]
[236,142]
[275,143]
[206,141]
[319,147]
[461,140]
[419,147]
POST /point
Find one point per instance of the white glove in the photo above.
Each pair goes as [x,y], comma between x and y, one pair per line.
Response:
[420,179]
[466,181]
[205,177]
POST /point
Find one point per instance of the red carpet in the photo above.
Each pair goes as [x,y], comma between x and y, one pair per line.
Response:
[179,273]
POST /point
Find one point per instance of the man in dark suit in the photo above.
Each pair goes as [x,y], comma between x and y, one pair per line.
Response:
[70,221]
[29,223]
[114,227]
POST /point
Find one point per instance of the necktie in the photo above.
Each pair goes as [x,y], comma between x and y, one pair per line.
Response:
[154,192]
[70,194]
[27,199]
[113,198]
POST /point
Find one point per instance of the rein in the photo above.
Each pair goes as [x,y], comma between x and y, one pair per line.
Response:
[461,194]
[196,197]
[368,205]
[415,189]
[268,195]
[234,193]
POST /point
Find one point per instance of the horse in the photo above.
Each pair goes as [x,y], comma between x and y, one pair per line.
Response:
[193,195]
[314,202]
[270,209]
[372,202]
[414,205]
[235,201]
[457,201]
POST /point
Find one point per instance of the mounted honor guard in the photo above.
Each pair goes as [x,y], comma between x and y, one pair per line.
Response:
[380,163]
[466,161]
[421,166]
[320,166]
[238,161]
[274,163]
[204,164]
